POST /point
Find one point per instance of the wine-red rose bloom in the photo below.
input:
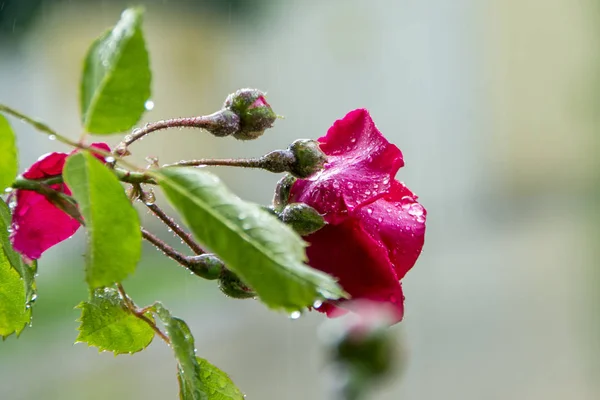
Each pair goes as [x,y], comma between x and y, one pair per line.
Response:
[376,228]
[37,224]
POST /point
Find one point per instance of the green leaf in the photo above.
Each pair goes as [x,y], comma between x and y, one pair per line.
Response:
[109,325]
[113,225]
[198,379]
[25,271]
[14,313]
[116,77]
[265,253]
[216,383]
[8,154]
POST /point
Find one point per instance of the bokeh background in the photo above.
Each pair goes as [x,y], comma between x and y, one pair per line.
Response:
[495,106]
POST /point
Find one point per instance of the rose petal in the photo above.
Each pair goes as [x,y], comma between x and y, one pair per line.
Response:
[397,222]
[99,145]
[361,166]
[47,165]
[38,225]
[348,252]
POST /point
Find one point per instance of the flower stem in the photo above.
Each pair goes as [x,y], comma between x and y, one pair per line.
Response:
[42,127]
[186,237]
[165,248]
[122,174]
[139,313]
[225,162]
[206,266]
[219,123]
[276,161]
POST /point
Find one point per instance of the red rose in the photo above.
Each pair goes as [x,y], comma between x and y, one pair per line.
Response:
[37,224]
[376,228]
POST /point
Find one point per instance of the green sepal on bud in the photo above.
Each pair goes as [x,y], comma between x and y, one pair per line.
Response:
[256,115]
[308,158]
[282,192]
[222,123]
[207,266]
[302,218]
[369,352]
[232,286]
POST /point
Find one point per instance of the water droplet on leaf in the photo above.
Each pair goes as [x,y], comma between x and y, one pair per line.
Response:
[149,105]
[52,137]
[295,315]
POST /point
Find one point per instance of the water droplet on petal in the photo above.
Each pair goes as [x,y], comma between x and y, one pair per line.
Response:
[295,315]
[350,185]
[149,105]
[367,192]
[353,140]
[369,211]
[386,181]
[416,210]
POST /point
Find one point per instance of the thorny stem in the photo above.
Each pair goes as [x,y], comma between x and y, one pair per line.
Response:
[139,313]
[186,237]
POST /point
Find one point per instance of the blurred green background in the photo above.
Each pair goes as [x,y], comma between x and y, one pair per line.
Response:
[494,104]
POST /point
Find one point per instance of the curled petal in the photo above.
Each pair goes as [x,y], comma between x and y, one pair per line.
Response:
[396,221]
[50,164]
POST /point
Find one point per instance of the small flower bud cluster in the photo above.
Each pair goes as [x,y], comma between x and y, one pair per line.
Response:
[254,113]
